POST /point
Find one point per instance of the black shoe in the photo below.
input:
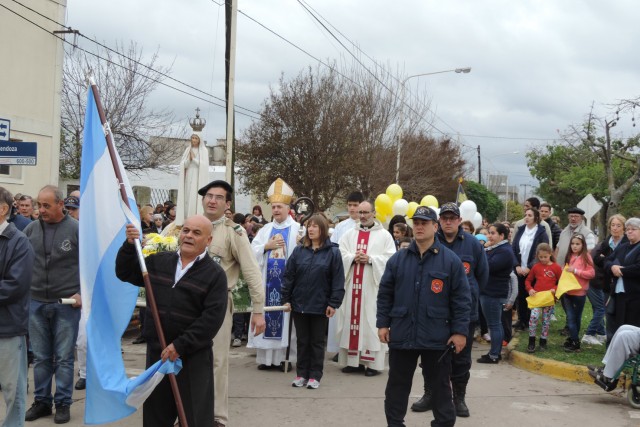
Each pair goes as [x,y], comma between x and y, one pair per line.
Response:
[62,414]
[351,369]
[543,344]
[139,340]
[459,393]
[606,383]
[531,348]
[264,367]
[335,358]
[371,372]
[424,404]
[485,358]
[38,410]
[572,346]
[81,384]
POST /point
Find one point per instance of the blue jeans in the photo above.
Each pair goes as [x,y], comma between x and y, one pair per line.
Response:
[492,309]
[13,378]
[596,298]
[53,330]
[573,306]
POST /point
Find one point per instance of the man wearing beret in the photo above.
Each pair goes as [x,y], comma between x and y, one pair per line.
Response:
[231,249]
[424,306]
[576,225]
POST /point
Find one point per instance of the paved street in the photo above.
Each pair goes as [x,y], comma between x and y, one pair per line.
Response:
[498,395]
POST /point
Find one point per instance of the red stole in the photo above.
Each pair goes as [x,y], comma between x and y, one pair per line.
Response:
[356,295]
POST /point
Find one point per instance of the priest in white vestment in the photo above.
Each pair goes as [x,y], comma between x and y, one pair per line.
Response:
[273,244]
[365,251]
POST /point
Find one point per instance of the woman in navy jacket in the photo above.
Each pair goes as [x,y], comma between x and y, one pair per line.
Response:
[527,239]
[494,295]
[313,288]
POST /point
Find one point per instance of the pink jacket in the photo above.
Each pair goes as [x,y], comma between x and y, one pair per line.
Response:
[584,272]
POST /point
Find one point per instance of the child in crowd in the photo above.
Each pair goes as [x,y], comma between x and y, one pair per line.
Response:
[400,230]
[544,275]
[404,242]
[580,264]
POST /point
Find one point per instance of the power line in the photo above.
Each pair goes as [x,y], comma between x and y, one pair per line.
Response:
[165,75]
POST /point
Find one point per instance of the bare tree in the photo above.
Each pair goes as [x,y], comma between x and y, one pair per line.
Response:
[125,83]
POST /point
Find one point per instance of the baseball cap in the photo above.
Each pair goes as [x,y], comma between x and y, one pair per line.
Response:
[449,207]
[425,213]
[72,202]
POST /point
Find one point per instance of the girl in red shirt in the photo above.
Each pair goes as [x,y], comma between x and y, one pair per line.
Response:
[544,276]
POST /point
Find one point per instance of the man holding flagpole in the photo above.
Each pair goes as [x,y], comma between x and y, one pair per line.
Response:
[191,295]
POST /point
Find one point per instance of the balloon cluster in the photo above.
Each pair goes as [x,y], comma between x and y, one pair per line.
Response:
[391,203]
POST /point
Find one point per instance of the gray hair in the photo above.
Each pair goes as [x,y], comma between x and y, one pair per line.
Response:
[56,192]
[157,216]
[6,198]
[633,222]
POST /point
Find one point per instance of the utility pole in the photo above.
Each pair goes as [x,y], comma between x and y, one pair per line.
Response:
[479,167]
[231,13]
[525,189]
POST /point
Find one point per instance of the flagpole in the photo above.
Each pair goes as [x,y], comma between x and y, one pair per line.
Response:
[151,300]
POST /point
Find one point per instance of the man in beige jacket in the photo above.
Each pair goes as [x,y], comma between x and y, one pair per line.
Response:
[230,248]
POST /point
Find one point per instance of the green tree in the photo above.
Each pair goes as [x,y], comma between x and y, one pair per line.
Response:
[488,203]
[590,160]
[514,211]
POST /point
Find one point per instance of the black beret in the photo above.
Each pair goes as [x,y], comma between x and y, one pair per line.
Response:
[216,183]
[576,210]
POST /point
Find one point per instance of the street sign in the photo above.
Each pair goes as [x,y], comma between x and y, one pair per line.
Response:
[590,206]
[5,129]
[19,153]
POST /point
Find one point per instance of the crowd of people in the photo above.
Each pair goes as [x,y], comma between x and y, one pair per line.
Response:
[353,288]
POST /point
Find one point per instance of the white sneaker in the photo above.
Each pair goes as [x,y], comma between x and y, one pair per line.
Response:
[313,384]
[486,337]
[591,340]
[601,338]
[237,342]
[299,382]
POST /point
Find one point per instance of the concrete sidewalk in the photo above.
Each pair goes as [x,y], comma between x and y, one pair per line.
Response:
[498,395]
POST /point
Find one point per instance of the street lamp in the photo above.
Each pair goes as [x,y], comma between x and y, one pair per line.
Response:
[463,70]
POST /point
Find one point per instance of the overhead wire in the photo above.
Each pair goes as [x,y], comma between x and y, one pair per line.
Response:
[165,75]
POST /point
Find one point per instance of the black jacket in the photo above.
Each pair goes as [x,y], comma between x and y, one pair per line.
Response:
[314,279]
[539,237]
[602,280]
[555,231]
[192,311]
[16,267]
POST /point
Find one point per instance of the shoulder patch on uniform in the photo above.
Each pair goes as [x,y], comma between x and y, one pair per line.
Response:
[238,229]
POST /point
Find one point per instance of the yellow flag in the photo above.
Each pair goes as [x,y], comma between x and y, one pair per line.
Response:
[541,299]
[568,282]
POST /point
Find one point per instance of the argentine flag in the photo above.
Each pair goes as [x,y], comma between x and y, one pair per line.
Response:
[107,302]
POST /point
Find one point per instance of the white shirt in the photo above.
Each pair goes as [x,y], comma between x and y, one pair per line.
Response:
[182,271]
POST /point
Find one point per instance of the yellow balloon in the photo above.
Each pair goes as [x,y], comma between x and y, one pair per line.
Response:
[381,217]
[383,204]
[412,209]
[395,192]
[429,201]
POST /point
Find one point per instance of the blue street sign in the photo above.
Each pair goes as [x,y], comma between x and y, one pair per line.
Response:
[5,129]
[19,153]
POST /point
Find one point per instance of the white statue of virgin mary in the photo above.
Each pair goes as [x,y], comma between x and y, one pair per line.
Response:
[194,174]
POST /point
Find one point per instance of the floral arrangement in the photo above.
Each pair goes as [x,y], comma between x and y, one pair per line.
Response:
[155,243]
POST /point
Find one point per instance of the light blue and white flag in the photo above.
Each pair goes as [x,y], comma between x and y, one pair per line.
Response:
[107,302]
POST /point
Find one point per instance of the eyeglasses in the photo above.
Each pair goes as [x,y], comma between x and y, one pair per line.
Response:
[218,197]
[364,212]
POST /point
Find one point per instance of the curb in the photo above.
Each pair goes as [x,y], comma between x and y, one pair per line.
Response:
[551,368]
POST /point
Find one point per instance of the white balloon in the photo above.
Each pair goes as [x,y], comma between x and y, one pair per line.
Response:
[437,210]
[400,207]
[477,220]
[467,210]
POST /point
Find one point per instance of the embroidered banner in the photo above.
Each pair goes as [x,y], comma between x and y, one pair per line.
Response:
[356,295]
[276,260]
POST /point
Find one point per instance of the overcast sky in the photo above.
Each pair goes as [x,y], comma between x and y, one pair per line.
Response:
[537,66]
